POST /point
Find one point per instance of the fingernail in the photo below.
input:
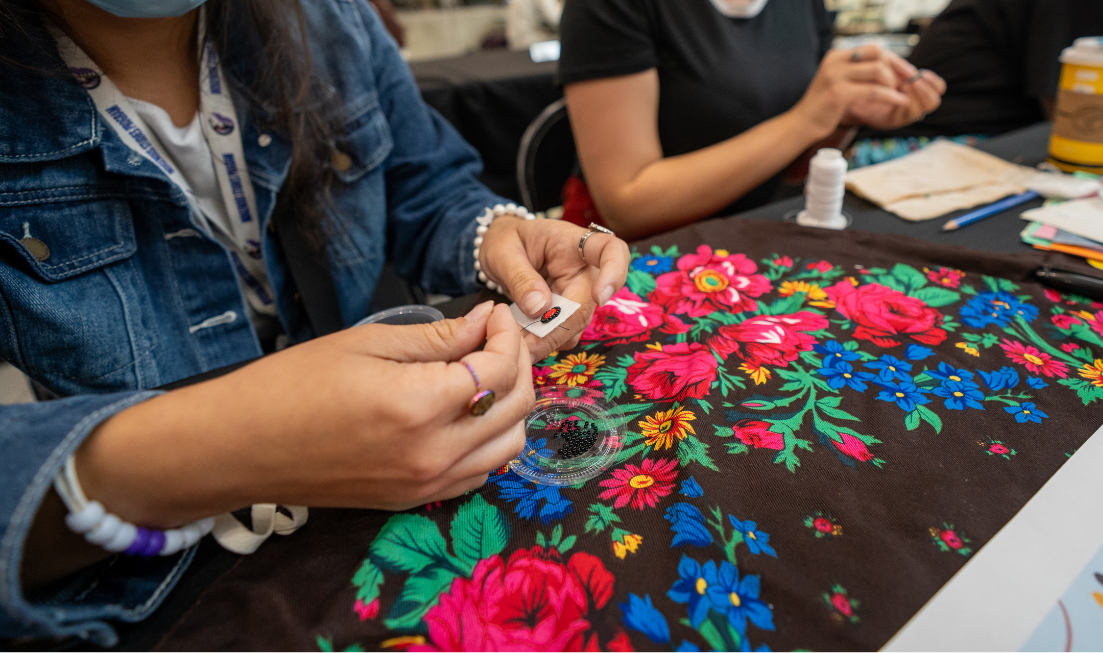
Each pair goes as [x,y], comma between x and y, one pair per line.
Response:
[534,301]
[605,295]
[479,312]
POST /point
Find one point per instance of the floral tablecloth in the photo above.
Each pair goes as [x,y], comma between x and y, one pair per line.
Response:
[820,429]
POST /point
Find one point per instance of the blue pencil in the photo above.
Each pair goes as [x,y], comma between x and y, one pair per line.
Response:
[990,210]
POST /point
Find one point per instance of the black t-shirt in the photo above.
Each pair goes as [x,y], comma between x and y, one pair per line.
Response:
[998,58]
[718,76]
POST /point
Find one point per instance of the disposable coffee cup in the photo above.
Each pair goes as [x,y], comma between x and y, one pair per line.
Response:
[1077,140]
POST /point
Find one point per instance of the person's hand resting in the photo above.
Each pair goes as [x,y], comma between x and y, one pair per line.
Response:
[868,85]
[532,258]
[370,417]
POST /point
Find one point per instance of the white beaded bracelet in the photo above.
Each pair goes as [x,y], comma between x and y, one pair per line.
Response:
[99,527]
[484,220]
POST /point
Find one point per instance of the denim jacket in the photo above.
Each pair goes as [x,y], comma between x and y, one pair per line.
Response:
[131,295]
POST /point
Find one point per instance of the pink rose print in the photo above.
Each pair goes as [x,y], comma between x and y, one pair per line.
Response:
[532,602]
[999,449]
[1069,347]
[366,610]
[627,318]
[769,339]
[1052,295]
[882,313]
[756,434]
[1065,321]
[678,371]
[783,262]
[823,525]
[842,604]
[821,267]
[706,282]
[951,539]
[853,447]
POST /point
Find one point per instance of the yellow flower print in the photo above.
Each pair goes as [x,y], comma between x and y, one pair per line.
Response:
[1093,373]
[576,369]
[759,374]
[813,291]
[627,544]
[666,426]
[969,349]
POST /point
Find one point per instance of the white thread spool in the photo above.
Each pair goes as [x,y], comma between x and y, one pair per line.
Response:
[823,194]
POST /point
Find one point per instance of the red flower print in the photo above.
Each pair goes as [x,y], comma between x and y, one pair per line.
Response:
[707,282]
[533,602]
[842,604]
[1036,361]
[757,434]
[641,486]
[1069,347]
[1052,295]
[685,369]
[821,267]
[946,277]
[366,610]
[541,376]
[769,339]
[627,318]
[1094,320]
[951,539]
[1065,321]
[783,262]
[999,449]
[853,447]
[823,525]
[882,313]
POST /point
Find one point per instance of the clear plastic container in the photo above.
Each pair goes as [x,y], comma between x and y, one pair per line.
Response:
[409,314]
[570,437]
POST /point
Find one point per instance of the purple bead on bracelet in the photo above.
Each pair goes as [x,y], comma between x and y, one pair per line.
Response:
[141,541]
[156,543]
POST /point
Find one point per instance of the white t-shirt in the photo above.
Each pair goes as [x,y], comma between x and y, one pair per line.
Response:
[188,150]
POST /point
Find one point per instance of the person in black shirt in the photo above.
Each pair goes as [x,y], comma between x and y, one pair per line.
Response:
[681,111]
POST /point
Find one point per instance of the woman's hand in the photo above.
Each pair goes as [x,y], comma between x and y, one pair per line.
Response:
[526,257]
[870,85]
[370,417]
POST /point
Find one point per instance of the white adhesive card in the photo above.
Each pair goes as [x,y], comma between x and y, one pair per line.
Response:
[541,325]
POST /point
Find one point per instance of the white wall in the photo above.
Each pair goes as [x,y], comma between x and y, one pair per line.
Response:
[436,33]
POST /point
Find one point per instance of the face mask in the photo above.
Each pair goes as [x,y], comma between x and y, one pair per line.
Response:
[147,8]
[739,8]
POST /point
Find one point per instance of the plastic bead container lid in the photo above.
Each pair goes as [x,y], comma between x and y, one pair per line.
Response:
[409,314]
[570,437]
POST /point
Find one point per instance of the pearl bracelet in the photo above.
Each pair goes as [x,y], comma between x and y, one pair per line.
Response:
[90,519]
[484,220]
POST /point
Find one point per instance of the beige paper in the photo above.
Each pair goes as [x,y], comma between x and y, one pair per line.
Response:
[1080,217]
[942,177]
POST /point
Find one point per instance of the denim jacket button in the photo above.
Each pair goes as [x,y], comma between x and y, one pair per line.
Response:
[37,248]
[264,140]
[341,161]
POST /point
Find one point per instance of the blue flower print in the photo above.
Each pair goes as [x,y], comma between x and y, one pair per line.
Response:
[891,368]
[756,540]
[691,488]
[843,374]
[917,352]
[529,496]
[653,264]
[1005,378]
[745,646]
[947,373]
[1036,383]
[640,615]
[834,353]
[960,394]
[688,647]
[996,308]
[738,600]
[692,587]
[688,525]
[1026,413]
[904,394]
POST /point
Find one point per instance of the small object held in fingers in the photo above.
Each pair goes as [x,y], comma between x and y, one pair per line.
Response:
[915,78]
[594,228]
[546,322]
[483,399]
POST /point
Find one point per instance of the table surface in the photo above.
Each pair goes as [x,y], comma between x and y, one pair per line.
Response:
[998,234]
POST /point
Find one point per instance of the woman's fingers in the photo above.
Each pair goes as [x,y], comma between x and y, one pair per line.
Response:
[504,257]
[611,256]
[874,72]
[876,93]
[445,340]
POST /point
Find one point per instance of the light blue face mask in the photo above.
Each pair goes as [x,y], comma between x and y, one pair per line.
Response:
[147,8]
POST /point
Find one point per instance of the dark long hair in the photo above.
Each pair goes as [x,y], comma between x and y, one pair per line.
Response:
[286,94]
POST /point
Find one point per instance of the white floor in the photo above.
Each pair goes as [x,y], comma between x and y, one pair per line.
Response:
[13,386]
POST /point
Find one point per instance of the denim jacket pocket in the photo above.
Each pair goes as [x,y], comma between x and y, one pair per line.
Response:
[73,309]
[365,144]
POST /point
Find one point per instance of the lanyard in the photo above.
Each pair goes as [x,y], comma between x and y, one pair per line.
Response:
[218,120]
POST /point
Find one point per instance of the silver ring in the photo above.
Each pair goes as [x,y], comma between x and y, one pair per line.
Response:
[916,77]
[593,229]
[856,54]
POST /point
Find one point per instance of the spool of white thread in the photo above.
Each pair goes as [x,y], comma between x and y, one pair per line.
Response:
[823,194]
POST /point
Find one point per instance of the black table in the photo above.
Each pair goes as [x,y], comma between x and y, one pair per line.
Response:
[490,97]
[999,233]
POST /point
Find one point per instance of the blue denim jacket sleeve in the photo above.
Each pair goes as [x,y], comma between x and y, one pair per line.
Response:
[35,440]
[433,191]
